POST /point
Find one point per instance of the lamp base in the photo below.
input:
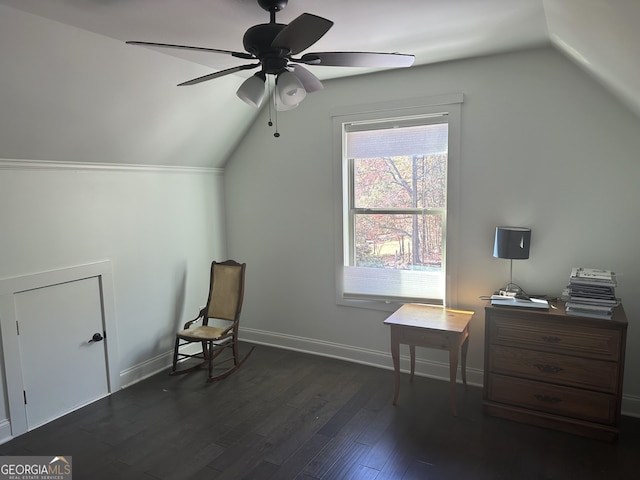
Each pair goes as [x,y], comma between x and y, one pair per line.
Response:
[511,290]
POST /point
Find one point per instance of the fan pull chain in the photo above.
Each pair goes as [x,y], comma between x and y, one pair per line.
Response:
[276,133]
[271,95]
[270,123]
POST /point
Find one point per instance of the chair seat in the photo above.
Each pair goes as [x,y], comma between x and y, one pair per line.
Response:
[201,332]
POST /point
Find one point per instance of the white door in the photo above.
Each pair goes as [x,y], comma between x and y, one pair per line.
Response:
[61,369]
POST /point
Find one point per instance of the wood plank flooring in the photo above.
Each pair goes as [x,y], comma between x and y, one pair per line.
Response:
[288,415]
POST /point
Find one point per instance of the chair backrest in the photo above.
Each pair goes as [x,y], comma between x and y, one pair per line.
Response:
[226,291]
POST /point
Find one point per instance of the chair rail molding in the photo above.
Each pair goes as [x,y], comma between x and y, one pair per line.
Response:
[12,164]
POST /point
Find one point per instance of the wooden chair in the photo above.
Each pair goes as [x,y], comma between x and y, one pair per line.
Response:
[226,293]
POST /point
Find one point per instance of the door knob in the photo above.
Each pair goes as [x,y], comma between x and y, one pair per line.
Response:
[96,338]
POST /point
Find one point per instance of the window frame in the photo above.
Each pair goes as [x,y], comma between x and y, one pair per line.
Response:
[402,111]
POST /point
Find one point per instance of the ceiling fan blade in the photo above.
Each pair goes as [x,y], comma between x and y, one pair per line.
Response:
[309,81]
[244,55]
[301,33]
[357,59]
[221,73]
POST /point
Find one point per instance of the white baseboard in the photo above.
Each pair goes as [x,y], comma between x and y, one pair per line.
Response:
[152,366]
[375,358]
[630,405]
[145,369]
[5,431]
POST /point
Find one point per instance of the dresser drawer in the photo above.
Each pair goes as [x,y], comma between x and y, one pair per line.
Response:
[555,368]
[565,401]
[555,337]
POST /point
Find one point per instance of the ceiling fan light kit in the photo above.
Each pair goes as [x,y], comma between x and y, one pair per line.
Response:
[271,47]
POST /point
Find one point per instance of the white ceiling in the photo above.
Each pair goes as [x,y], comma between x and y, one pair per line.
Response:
[600,35]
[432,30]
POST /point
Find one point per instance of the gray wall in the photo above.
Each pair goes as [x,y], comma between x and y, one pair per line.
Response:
[542,145]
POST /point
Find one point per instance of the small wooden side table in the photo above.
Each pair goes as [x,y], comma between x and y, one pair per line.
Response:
[433,327]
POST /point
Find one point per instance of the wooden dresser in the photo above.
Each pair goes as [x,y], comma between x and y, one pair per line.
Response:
[554,370]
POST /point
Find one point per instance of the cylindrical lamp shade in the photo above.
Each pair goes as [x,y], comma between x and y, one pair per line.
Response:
[512,242]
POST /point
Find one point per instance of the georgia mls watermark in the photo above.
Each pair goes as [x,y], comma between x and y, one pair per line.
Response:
[35,468]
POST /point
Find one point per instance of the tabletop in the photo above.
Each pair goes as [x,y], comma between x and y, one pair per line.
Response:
[430,317]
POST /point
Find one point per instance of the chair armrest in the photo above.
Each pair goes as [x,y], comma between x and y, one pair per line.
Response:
[228,329]
[191,322]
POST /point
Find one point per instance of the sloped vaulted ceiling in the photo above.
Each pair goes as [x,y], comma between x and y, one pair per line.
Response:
[603,37]
[64,61]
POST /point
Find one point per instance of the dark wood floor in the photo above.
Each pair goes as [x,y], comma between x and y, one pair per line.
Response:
[287,415]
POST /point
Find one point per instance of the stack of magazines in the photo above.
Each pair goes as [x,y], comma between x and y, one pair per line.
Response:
[592,293]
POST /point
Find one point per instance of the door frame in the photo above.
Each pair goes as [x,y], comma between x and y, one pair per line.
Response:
[9,287]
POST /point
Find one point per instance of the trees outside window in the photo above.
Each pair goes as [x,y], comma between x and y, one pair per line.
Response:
[398,208]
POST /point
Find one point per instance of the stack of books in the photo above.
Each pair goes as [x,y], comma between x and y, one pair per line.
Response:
[592,293]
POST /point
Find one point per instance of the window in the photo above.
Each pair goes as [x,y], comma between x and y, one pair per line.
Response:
[395,185]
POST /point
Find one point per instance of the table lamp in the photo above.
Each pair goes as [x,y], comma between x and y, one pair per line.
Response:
[512,243]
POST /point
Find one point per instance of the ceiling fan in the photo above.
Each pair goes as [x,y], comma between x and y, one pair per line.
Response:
[272,45]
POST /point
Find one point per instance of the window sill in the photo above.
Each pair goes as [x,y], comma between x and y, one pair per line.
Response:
[382,305]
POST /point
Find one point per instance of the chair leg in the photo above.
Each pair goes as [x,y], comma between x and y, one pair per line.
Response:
[210,357]
[174,368]
[175,355]
[209,353]
[235,352]
[237,364]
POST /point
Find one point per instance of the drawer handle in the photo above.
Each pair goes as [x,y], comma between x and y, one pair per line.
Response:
[551,339]
[547,399]
[548,368]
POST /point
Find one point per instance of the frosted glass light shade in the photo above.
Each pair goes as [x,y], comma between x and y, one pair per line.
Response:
[290,89]
[252,90]
[280,105]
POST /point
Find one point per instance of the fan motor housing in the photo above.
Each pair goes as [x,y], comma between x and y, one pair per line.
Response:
[257,41]
[273,5]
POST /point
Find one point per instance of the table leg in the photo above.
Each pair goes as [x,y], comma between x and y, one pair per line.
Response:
[395,355]
[453,369]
